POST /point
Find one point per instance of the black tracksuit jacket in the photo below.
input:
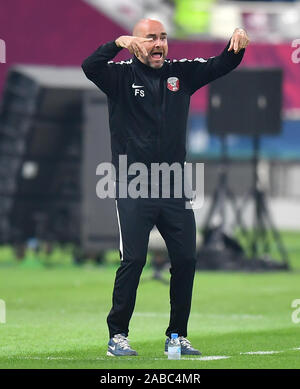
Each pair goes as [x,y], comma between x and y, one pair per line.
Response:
[147,113]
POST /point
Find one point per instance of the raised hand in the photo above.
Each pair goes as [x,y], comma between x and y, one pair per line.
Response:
[134,44]
[239,40]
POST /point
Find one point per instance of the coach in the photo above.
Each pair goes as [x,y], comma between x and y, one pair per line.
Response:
[148,101]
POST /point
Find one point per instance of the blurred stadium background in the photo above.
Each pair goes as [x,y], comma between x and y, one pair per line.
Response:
[54,132]
[51,140]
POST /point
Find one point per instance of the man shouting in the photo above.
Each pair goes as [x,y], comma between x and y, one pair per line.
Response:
[148,100]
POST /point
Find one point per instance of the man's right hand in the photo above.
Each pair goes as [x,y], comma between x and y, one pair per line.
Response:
[134,44]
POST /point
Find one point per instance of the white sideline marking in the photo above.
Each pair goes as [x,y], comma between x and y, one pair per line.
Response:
[207,358]
[50,358]
[212,358]
[261,352]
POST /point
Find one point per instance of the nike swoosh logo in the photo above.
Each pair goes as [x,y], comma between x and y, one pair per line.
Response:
[137,86]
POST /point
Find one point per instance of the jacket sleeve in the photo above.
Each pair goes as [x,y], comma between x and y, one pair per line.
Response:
[199,72]
[100,71]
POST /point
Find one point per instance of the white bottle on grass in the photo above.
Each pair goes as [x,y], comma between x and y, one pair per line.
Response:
[174,348]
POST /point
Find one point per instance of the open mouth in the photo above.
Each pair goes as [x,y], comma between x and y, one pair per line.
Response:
[156,55]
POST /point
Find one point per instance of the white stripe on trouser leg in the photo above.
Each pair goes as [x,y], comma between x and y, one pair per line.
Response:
[120,232]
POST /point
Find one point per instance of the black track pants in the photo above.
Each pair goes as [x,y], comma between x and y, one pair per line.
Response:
[176,223]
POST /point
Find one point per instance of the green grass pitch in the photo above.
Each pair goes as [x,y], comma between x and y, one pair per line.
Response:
[56,318]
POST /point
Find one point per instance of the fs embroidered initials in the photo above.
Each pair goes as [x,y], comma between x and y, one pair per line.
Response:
[139,92]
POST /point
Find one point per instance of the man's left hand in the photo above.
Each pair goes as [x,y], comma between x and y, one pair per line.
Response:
[239,40]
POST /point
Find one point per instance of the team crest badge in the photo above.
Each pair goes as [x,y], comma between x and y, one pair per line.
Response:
[173,84]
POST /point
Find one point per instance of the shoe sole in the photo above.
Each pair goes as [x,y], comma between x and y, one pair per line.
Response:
[166,353]
[109,354]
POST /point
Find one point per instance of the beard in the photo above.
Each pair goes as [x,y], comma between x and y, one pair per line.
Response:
[150,62]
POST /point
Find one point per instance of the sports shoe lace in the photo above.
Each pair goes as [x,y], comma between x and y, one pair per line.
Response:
[184,342]
[122,341]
